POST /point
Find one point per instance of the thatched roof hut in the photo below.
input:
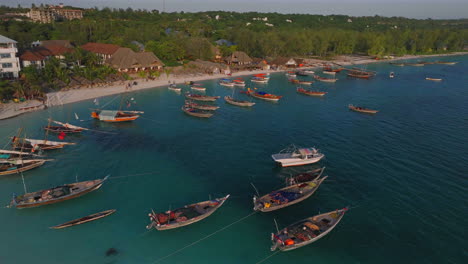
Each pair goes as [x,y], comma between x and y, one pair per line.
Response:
[238,57]
[125,59]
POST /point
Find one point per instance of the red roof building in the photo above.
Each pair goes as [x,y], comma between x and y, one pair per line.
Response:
[105,51]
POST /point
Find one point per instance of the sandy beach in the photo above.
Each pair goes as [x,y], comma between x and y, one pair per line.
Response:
[70,96]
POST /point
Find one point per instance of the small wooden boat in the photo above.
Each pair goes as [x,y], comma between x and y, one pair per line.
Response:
[6,155]
[397,64]
[115,116]
[174,88]
[447,62]
[287,196]
[199,97]
[56,194]
[291,74]
[200,106]
[306,82]
[239,82]
[323,79]
[294,156]
[64,128]
[308,72]
[309,92]
[415,64]
[264,95]
[259,80]
[85,219]
[196,112]
[197,88]
[186,215]
[362,109]
[226,82]
[329,72]
[14,166]
[305,176]
[359,75]
[306,231]
[433,79]
[34,144]
[330,69]
[233,101]
[302,73]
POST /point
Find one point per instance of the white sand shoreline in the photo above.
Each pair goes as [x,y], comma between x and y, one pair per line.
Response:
[73,96]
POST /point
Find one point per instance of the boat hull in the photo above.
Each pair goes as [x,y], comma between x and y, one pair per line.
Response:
[91,218]
[25,168]
[290,162]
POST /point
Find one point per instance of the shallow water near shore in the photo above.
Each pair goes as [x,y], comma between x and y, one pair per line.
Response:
[402,171]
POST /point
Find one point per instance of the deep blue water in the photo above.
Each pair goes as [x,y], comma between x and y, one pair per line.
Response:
[403,172]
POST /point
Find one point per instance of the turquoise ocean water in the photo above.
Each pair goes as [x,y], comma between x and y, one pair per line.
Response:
[403,172]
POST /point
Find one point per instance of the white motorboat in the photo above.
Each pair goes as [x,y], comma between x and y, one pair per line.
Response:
[294,156]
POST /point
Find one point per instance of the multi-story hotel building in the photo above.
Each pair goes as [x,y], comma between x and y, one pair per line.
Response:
[9,63]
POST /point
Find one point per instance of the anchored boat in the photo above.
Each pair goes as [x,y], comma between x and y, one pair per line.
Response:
[233,101]
[186,215]
[306,231]
[434,79]
[200,106]
[56,194]
[294,156]
[310,92]
[14,166]
[264,95]
[323,79]
[305,176]
[362,109]
[196,112]
[174,88]
[287,196]
[85,219]
[64,128]
[199,97]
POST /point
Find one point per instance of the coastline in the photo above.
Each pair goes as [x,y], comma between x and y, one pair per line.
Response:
[11,110]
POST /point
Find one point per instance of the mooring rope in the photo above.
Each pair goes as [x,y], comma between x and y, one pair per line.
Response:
[269,256]
[203,238]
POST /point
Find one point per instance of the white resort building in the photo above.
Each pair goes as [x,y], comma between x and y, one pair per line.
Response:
[9,62]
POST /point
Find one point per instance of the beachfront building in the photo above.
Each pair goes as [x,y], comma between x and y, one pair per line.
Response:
[104,51]
[126,60]
[238,58]
[53,13]
[38,55]
[284,62]
[260,64]
[9,63]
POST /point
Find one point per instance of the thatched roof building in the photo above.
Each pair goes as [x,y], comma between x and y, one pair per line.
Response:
[125,59]
[238,57]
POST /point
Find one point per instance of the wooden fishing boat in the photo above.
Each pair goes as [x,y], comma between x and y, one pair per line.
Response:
[309,92]
[287,196]
[259,80]
[18,165]
[294,81]
[323,79]
[174,88]
[294,156]
[196,112]
[233,101]
[362,109]
[306,231]
[397,64]
[305,176]
[291,74]
[115,116]
[415,64]
[308,72]
[6,155]
[359,75]
[34,144]
[330,69]
[226,82]
[56,194]
[86,219]
[264,95]
[301,73]
[447,62]
[197,88]
[239,82]
[64,128]
[199,97]
[434,79]
[329,72]
[305,82]
[186,215]
[200,106]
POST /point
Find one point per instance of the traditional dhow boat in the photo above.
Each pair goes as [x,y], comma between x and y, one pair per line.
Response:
[309,92]
[85,219]
[323,79]
[56,194]
[362,109]
[264,96]
[34,144]
[17,166]
[186,215]
[306,231]
[287,196]
[294,156]
[305,176]
[64,128]
[434,79]
[196,112]
[6,155]
[174,88]
[233,101]
[199,97]
[114,116]
[200,106]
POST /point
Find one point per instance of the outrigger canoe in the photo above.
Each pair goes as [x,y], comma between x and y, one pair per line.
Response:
[306,231]
[85,219]
[186,215]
